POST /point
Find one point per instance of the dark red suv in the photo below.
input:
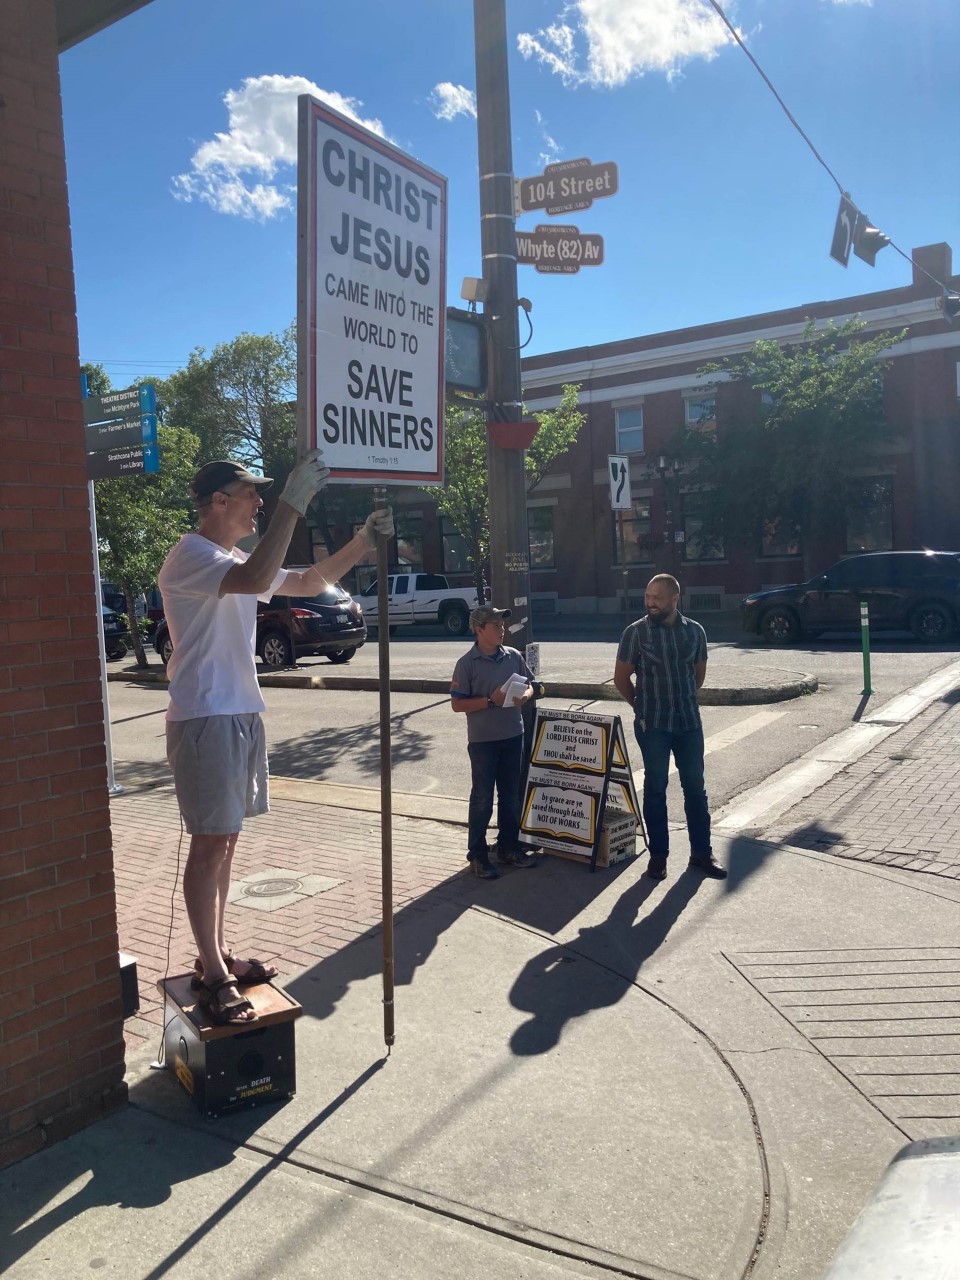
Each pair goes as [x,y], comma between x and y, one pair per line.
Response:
[289,627]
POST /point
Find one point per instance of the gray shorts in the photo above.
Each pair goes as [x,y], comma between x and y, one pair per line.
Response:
[220,774]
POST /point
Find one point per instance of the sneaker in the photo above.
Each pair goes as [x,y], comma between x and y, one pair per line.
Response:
[483,869]
[657,868]
[709,867]
[518,858]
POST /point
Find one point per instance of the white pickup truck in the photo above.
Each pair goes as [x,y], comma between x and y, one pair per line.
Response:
[421,597]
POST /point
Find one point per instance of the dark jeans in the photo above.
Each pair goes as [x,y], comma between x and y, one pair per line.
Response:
[656,746]
[494,765]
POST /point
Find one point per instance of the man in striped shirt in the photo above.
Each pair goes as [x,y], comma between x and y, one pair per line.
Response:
[661,663]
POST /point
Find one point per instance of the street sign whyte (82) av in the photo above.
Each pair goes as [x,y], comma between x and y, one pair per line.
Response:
[559,250]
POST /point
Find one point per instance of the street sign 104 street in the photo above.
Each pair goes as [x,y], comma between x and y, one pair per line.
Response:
[568,186]
[558,249]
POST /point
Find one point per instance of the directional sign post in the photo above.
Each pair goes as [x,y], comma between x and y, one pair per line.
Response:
[121,433]
[618,468]
[568,186]
[843,231]
[558,250]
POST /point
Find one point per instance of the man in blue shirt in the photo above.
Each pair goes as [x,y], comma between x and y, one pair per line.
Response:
[494,740]
[661,663]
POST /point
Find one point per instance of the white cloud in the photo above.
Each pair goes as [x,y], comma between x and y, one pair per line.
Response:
[551,148]
[866,2]
[242,171]
[612,40]
[447,101]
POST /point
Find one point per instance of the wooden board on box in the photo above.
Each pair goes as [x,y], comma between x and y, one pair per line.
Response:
[271,1005]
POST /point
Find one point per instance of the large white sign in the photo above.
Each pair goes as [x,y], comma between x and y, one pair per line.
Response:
[372,229]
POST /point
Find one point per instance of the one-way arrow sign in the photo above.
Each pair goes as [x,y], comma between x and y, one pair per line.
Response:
[843,231]
[618,471]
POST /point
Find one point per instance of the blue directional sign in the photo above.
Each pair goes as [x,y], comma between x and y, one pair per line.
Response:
[121,433]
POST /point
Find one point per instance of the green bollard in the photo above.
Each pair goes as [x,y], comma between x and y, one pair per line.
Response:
[865,637]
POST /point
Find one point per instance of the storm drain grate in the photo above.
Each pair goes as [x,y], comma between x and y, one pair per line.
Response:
[888,1018]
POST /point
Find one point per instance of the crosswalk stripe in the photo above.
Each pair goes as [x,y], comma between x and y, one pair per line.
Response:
[727,737]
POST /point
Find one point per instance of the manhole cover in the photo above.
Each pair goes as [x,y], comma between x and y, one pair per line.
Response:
[271,888]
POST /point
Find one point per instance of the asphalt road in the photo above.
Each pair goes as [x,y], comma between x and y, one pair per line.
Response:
[333,735]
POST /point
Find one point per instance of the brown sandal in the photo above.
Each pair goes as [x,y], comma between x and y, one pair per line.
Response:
[225,1013]
[256,973]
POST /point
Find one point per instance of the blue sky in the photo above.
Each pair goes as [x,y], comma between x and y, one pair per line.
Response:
[180,128]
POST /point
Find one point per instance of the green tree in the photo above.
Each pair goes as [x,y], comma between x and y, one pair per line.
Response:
[464,498]
[240,401]
[139,518]
[814,415]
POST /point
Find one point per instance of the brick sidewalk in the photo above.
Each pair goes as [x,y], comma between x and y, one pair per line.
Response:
[899,804]
[342,845]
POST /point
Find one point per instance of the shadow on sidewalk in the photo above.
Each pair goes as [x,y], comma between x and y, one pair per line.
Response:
[545,899]
[555,987]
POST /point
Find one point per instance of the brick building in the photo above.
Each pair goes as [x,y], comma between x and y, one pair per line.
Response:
[637,395]
[61,1041]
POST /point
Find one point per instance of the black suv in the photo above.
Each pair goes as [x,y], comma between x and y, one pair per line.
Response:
[288,627]
[904,590]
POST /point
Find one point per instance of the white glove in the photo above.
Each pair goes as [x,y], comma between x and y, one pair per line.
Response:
[305,481]
[378,523]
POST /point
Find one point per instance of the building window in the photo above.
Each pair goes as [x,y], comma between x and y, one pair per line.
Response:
[630,429]
[698,545]
[636,545]
[409,539]
[779,537]
[700,411]
[870,515]
[540,537]
[454,548]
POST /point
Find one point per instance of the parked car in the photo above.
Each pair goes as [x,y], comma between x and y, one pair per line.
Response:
[421,597]
[904,590]
[116,636]
[289,627]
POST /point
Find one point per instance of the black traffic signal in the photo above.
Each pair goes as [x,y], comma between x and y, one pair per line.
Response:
[949,304]
[867,240]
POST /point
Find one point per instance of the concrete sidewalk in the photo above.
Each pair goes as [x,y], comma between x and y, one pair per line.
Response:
[593,1074]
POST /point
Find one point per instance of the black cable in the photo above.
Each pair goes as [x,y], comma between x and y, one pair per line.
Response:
[176,880]
[790,116]
[509,346]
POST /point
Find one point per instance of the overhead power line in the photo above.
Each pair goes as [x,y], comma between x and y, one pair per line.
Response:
[820,160]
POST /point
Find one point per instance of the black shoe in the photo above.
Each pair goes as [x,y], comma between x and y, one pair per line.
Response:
[483,869]
[518,858]
[709,867]
[657,868]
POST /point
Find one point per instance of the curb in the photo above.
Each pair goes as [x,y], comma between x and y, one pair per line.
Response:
[749,695]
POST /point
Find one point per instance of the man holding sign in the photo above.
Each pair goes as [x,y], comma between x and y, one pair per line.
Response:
[667,653]
[491,684]
[215,742]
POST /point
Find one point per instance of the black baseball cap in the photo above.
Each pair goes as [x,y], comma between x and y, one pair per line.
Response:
[214,476]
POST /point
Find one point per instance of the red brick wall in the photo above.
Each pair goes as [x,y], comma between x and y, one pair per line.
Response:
[61,1043]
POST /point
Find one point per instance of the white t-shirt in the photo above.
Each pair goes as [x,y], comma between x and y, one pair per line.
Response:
[212,671]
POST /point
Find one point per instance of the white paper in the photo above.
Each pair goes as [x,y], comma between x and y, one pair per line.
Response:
[513,690]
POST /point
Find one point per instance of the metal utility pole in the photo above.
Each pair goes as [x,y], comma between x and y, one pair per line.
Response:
[509,547]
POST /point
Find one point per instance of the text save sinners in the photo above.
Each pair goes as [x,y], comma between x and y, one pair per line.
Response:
[384,428]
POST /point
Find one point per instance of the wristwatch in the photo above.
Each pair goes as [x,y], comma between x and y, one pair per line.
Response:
[490,703]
